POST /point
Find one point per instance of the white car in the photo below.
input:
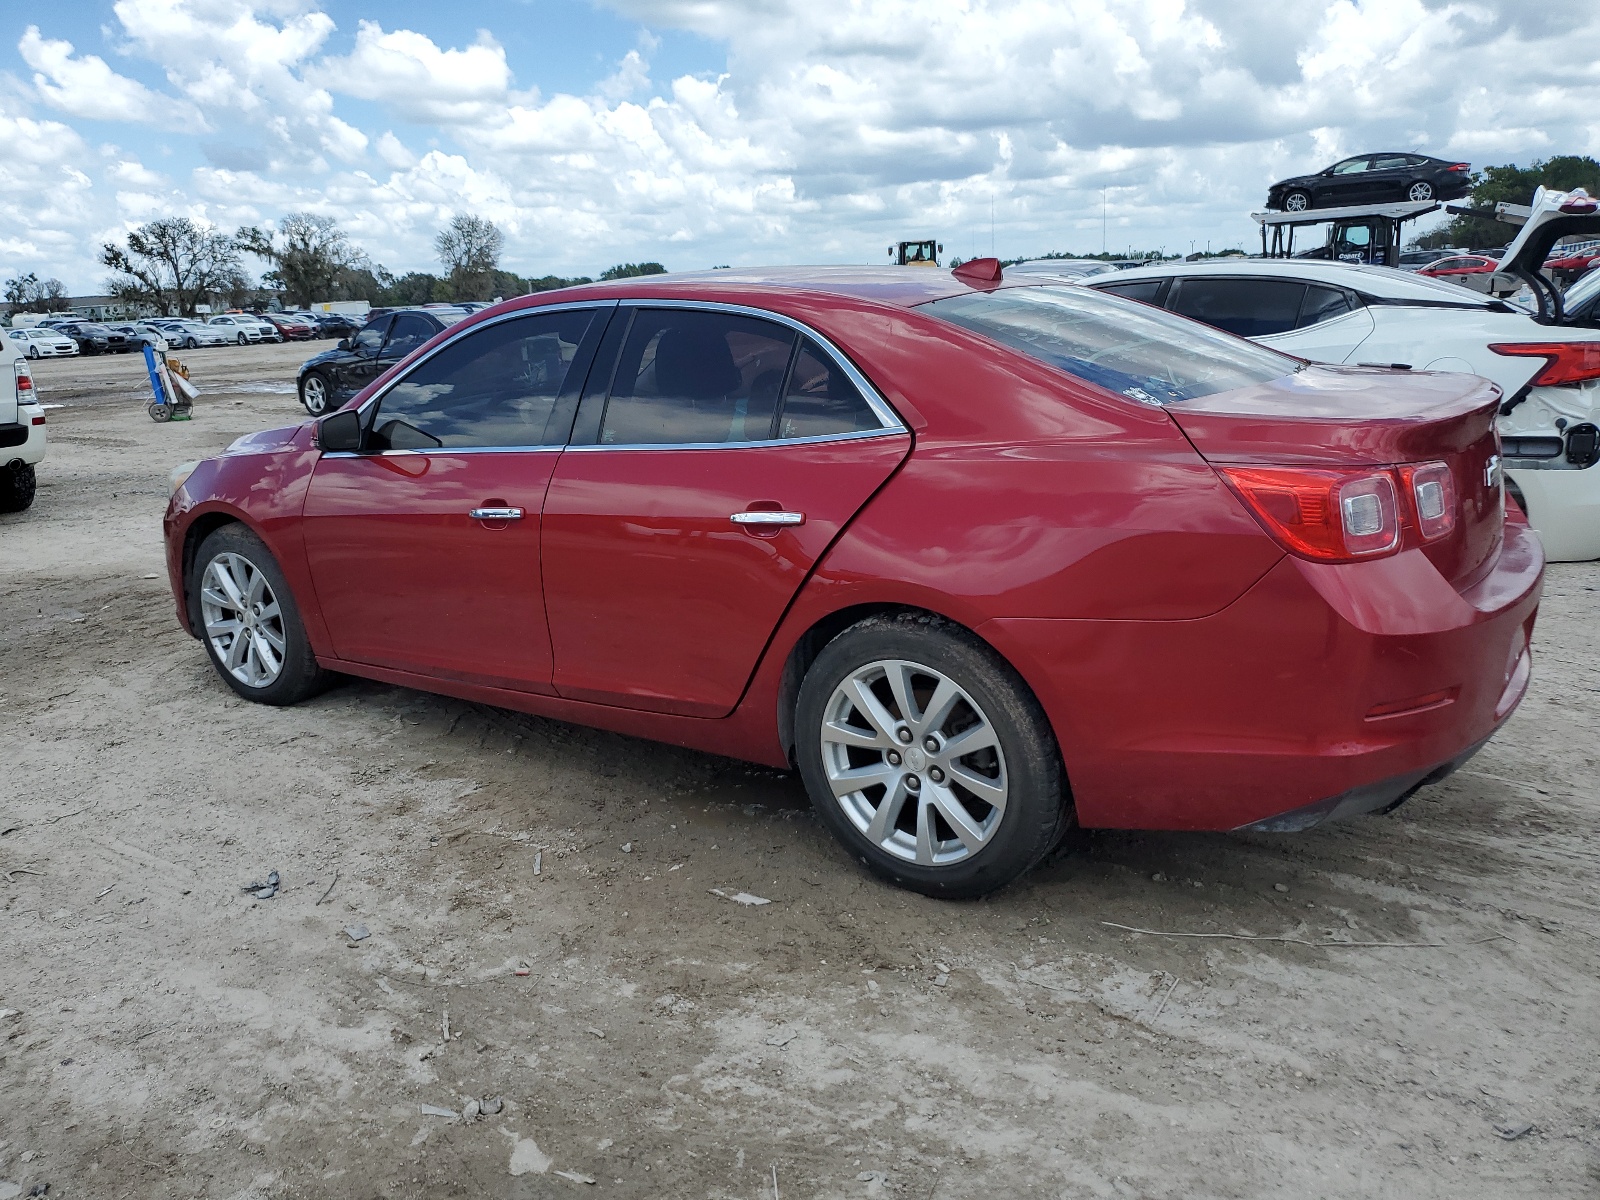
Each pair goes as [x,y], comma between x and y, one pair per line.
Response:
[43,343]
[22,430]
[239,328]
[1547,367]
[190,335]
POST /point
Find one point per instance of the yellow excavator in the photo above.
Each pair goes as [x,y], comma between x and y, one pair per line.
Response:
[924,253]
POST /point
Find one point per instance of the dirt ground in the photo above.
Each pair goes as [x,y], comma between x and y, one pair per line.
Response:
[164,1035]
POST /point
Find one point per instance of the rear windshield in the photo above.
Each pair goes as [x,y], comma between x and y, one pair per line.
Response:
[1132,349]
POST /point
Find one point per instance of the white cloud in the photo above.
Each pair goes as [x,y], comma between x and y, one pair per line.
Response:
[823,132]
[86,87]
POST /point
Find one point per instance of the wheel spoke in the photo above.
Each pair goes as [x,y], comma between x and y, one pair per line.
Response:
[222,572]
[222,628]
[924,832]
[270,610]
[970,741]
[847,735]
[273,640]
[958,818]
[888,813]
[985,789]
[845,783]
[212,596]
[266,653]
[236,651]
[869,707]
[899,677]
[257,585]
[944,698]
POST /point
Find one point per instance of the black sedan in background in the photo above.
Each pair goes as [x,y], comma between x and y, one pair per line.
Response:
[94,338]
[1373,179]
[333,376]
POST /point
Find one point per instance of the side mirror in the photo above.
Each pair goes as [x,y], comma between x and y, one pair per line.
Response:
[344,343]
[340,432]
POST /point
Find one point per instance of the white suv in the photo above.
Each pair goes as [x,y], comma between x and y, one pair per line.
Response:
[243,328]
[1547,366]
[22,432]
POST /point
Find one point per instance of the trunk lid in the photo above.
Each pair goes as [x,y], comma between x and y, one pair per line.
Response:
[1349,418]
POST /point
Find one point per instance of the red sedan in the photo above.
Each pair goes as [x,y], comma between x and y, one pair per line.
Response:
[980,560]
[293,329]
[1469,270]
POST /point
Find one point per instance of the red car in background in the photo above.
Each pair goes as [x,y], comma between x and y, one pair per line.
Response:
[1469,270]
[982,561]
[293,329]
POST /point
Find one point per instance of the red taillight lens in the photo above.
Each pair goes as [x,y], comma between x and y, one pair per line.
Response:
[1565,362]
[1459,167]
[1433,497]
[24,384]
[1330,516]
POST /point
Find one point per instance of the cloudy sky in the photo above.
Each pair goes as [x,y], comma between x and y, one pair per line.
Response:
[700,132]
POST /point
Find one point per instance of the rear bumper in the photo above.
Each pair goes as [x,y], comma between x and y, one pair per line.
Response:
[1564,506]
[1324,688]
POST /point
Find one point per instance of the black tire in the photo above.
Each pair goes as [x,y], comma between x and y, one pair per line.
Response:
[1038,808]
[316,393]
[299,677]
[18,486]
[1297,200]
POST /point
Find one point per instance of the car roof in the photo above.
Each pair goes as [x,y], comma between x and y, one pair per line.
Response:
[902,287]
[1385,282]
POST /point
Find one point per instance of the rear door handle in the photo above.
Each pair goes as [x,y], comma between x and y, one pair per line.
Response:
[764,517]
[496,514]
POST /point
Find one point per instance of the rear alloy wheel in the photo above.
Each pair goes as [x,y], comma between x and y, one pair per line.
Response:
[18,485]
[1297,201]
[929,758]
[249,622]
[315,394]
[1420,191]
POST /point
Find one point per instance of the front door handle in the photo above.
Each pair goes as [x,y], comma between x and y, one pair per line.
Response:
[496,514]
[764,517]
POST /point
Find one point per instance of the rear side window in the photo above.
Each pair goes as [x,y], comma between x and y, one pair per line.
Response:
[820,399]
[1322,304]
[1247,307]
[1137,351]
[688,377]
[1144,290]
[497,386]
[1390,162]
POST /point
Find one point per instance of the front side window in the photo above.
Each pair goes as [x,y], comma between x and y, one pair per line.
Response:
[688,377]
[1143,353]
[370,339]
[497,386]
[1246,307]
[1350,166]
[408,332]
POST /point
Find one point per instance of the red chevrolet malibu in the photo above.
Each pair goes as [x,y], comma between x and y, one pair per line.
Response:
[980,560]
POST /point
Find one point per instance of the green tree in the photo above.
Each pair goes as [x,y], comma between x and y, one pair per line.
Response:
[1512,184]
[308,254]
[470,246]
[172,263]
[632,270]
[29,293]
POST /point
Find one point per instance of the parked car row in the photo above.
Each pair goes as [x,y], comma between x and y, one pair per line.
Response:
[235,328]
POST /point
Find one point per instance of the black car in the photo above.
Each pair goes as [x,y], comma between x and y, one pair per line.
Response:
[337,325]
[94,338]
[1373,179]
[333,376]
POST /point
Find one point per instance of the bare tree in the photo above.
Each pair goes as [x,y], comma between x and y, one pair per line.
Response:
[309,255]
[172,263]
[29,293]
[470,247]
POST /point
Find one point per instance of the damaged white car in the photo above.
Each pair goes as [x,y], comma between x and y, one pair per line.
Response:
[1547,363]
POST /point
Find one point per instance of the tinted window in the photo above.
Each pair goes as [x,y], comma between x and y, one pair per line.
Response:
[1389,162]
[497,386]
[820,398]
[1140,352]
[371,338]
[1349,166]
[1322,304]
[689,377]
[1145,290]
[409,332]
[1247,307]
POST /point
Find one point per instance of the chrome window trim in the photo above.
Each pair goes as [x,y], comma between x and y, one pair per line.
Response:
[887,417]
[770,443]
[449,450]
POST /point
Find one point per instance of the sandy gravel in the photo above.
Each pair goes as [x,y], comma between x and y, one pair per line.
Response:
[164,1035]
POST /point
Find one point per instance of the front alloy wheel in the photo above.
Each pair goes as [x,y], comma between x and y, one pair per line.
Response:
[1297,201]
[1420,191]
[243,620]
[314,394]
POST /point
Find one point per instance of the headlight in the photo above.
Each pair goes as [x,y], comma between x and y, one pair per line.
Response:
[179,475]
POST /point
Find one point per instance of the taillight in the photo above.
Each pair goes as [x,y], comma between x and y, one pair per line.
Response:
[1459,167]
[1330,516]
[1565,362]
[24,383]
[1433,496]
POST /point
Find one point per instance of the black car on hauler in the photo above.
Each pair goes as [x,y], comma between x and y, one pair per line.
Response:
[1373,179]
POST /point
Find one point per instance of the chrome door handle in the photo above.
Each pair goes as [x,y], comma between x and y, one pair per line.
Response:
[496,514]
[762,517]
